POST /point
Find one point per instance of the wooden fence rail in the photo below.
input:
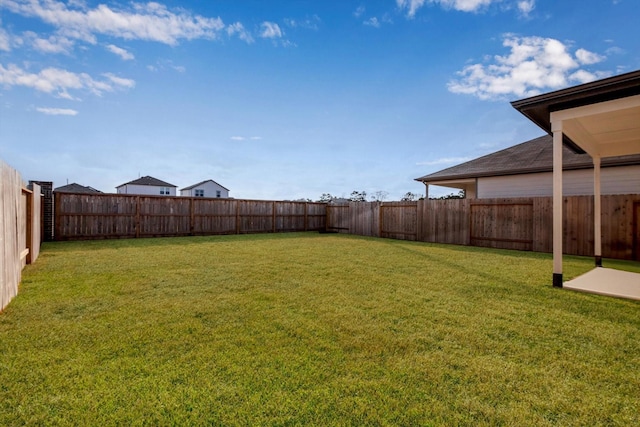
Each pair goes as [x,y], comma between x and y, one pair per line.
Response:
[113,216]
[521,224]
[20,230]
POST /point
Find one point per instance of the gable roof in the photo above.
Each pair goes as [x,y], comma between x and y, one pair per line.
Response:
[76,188]
[191,187]
[532,156]
[148,180]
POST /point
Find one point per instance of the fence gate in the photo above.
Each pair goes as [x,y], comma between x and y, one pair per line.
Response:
[399,221]
[502,224]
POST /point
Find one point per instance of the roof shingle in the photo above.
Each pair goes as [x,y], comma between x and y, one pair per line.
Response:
[191,187]
[148,180]
[76,188]
[532,156]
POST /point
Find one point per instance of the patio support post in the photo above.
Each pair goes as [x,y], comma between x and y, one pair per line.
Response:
[557,203]
[426,191]
[597,226]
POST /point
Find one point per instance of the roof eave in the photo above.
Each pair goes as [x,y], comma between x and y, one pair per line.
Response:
[427,179]
[538,108]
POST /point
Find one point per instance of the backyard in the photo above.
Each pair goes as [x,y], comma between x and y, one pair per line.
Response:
[312,329]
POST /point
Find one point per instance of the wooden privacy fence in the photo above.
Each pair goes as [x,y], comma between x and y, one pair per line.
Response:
[522,223]
[113,216]
[20,230]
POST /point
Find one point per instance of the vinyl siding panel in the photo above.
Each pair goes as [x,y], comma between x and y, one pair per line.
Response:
[614,180]
[147,190]
[210,190]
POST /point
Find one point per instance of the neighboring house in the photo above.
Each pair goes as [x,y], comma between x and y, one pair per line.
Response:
[76,188]
[147,185]
[208,188]
[526,170]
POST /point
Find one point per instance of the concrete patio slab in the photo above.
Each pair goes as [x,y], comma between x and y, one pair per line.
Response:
[607,281]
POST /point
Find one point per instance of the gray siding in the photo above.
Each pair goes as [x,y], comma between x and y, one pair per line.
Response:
[614,180]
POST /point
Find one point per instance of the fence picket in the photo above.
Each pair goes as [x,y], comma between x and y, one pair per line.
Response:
[519,223]
[114,216]
[20,230]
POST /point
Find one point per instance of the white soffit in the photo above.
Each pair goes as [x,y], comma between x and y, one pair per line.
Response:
[605,129]
[454,183]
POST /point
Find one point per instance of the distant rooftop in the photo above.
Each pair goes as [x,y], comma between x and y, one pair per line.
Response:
[148,180]
[76,188]
[191,187]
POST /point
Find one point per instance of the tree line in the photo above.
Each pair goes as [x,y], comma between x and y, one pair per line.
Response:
[381,196]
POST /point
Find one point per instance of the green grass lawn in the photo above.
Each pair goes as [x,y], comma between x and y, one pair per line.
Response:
[311,329]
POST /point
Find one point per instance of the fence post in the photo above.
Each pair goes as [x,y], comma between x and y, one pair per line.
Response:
[273,218]
[237,217]
[419,214]
[192,224]
[29,220]
[137,217]
[327,219]
[57,216]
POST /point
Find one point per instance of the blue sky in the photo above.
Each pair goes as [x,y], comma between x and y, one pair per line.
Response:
[288,99]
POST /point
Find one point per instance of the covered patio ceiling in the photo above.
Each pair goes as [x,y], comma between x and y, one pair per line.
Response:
[606,129]
[601,118]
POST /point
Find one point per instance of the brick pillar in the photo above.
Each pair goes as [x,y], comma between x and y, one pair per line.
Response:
[47,208]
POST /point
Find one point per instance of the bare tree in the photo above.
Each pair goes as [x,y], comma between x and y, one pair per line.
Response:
[410,197]
[379,196]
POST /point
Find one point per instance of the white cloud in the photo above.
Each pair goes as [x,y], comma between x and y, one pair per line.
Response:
[412,6]
[5,40]
[150,21]
[312,23]
[526,6]
[444,161]
[372,22]
[238,28]
[164,64]
[359,11]
[53,44]
[465,5]
[533,64]
[244,138]
[587,58]
[59,82]
[270,30]
[122,53]
[584,76]
[615,50]
[66,95]
[119,81]
[57,111]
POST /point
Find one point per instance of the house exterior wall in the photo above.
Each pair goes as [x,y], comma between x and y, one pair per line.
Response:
[147,190]
[614,180]
[210,190]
